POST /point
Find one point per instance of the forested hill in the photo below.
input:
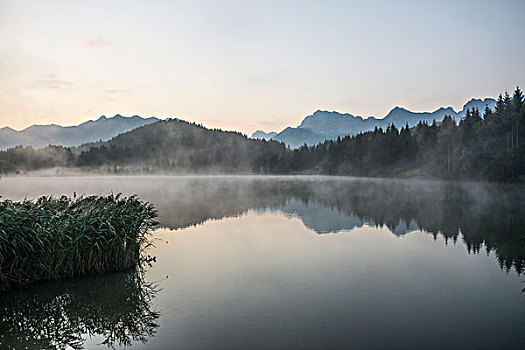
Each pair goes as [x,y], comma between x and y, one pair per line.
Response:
[176,145]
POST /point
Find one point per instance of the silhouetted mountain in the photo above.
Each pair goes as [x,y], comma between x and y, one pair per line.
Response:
[259,134]
[296,137]
[325,125]
[39,136]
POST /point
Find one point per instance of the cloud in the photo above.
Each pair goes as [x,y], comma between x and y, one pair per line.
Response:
[51,82]
[117,90]
[92,42]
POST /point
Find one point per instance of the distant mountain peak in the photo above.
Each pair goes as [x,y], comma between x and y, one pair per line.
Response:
[259,134]
[90,131]
[398,108]
[479,103]
[329,125]
[396,111]
[335,113]
[448,109]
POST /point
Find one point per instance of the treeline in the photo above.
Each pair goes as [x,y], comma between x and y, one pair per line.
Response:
[485,145]
[19,159]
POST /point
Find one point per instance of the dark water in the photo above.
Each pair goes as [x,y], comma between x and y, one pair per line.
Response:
[293,262]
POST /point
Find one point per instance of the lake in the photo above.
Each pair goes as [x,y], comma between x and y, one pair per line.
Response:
[292,262]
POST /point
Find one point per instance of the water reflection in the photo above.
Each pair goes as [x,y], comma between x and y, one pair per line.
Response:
[116,308]
[487,217]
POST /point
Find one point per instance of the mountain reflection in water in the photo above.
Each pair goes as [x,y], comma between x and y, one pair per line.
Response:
[488,217]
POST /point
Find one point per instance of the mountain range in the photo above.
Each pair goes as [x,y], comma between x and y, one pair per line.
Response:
[315,128]
[325,125]
[103,129]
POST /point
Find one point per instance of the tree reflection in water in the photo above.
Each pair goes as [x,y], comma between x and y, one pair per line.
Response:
[116,307]
[482,216]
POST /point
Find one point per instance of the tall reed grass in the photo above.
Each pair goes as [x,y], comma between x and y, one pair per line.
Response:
[53,238]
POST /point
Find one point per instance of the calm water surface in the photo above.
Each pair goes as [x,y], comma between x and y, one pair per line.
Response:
[292,262]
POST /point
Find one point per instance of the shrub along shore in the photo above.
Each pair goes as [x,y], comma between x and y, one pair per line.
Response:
[53,238]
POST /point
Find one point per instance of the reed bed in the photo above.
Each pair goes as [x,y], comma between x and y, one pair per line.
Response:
[53,238]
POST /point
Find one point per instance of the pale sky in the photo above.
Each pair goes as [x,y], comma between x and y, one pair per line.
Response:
[247,65]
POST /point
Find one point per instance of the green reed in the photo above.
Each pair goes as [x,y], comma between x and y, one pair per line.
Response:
[53,238]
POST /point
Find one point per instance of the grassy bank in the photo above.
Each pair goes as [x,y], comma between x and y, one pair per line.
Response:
[53,238]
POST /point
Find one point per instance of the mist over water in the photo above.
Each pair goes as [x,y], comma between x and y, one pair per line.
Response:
[303,262]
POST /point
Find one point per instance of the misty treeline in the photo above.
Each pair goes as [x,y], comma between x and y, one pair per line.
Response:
[19,158]
[485,145]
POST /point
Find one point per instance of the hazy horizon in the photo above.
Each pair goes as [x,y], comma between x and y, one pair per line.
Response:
[247,66]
